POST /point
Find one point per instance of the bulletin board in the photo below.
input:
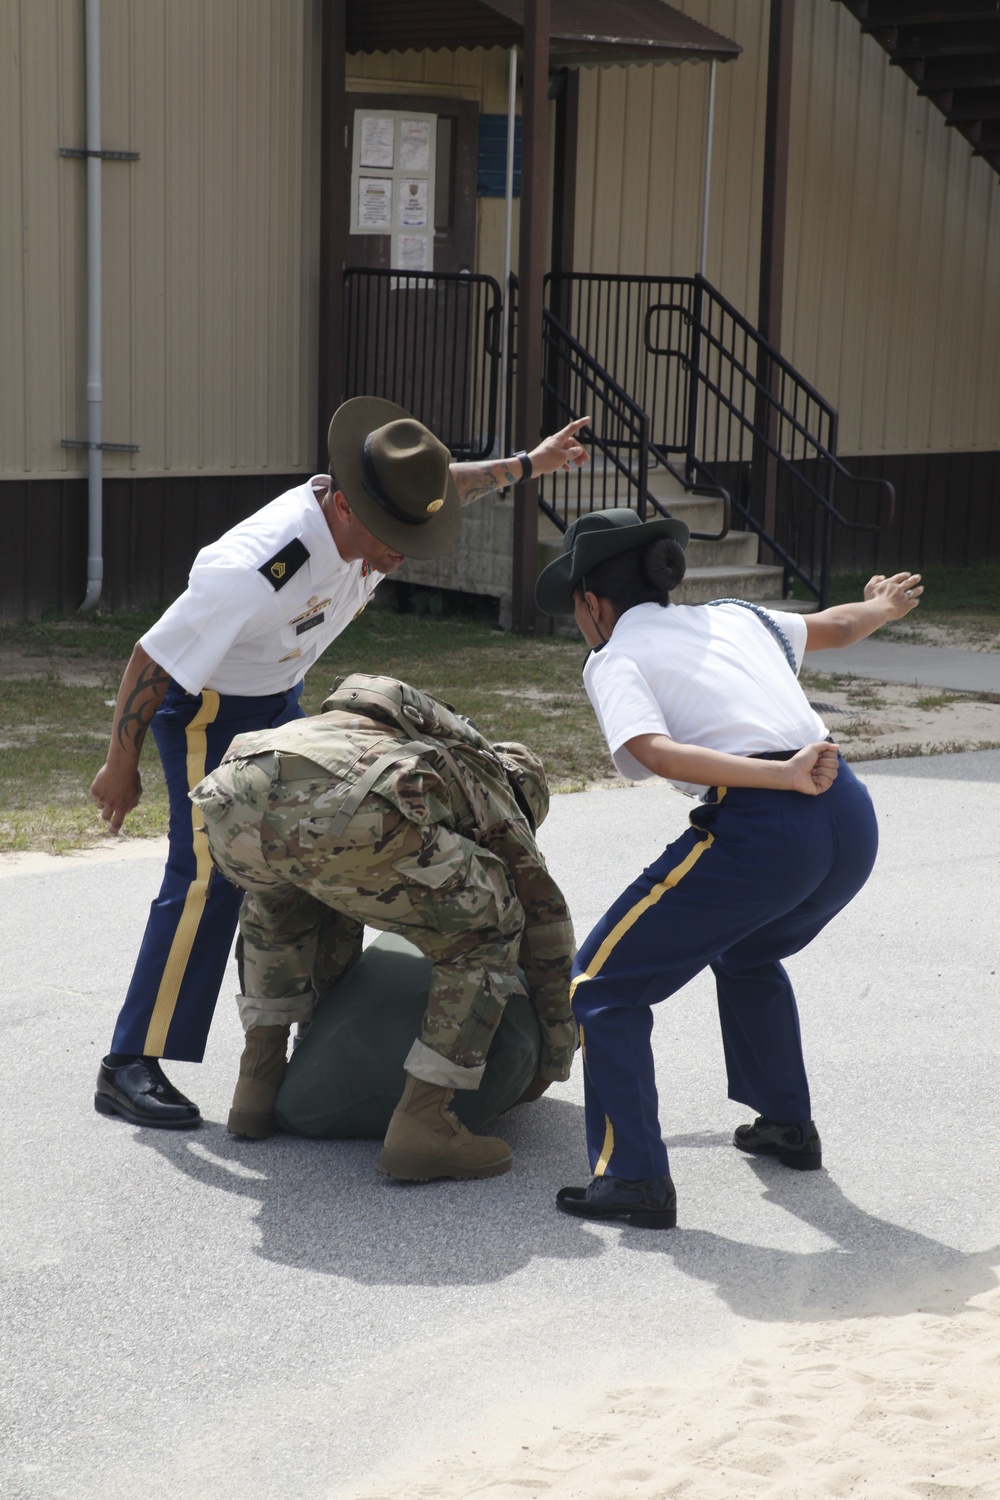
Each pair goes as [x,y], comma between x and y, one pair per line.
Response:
[392,182]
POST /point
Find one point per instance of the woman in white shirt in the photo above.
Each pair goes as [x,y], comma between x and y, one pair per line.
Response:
[708,697]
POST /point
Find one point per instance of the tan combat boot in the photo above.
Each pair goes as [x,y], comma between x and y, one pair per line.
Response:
[262,1069]
[426,1140]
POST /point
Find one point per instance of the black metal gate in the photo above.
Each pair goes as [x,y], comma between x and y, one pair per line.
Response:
[431,343]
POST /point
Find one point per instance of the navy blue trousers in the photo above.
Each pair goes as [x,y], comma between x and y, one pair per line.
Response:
[755,878]
[171,999]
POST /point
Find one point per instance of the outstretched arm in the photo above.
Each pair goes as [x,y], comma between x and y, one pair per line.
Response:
[885,599]
[559,451]
[117,786]
[811,771]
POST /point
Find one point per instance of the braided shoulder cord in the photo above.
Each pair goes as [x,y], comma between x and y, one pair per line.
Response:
[772,625]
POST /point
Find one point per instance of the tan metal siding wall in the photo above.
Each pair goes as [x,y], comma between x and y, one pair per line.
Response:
[42,294]
[210,242]
[641,165]
[892,271]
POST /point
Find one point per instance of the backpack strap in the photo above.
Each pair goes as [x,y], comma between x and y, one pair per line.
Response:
[415,712]
[364,784]
[772,625]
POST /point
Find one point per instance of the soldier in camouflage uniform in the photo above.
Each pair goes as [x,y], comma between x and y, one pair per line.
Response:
[388,809]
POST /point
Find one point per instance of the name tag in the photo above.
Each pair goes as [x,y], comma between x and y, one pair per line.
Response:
[309,624]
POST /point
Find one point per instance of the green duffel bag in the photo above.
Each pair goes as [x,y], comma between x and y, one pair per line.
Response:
[345,1077]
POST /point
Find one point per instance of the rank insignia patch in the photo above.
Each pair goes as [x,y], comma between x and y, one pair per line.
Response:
[284,564]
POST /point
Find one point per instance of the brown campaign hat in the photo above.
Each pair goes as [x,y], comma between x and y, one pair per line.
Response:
[396,477]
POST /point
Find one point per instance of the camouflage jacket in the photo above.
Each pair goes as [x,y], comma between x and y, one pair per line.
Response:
[460,783]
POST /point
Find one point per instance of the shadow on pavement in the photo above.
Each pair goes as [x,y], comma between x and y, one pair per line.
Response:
[324,1207]
[876,1268]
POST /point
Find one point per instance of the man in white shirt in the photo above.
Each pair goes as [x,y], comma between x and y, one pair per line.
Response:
[228,657]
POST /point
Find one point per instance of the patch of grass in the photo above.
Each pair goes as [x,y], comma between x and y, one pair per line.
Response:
[104,639]
[825,682]
[862,694]
[854,729]
[931,701]
[972,590]
[53,736]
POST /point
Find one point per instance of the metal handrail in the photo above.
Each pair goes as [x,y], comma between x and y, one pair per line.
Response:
[714,389]
[591,376]
[821,452]
[577,364]
[430,342]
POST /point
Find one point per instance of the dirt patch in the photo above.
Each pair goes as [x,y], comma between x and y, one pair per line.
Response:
[878,720]
[20,665]
[981,635]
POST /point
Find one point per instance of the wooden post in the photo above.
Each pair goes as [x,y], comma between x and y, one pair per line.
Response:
[564,167]
[530,271]
[564,154]
[772,239]
[334,194]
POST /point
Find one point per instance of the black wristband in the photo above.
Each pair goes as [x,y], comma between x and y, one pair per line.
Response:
[526,470]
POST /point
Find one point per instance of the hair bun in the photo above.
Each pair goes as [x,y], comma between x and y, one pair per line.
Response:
[664,563]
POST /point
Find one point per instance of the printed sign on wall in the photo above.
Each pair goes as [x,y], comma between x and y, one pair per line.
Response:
[392,182]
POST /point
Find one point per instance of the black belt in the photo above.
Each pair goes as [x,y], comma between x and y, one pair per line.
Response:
[783,754]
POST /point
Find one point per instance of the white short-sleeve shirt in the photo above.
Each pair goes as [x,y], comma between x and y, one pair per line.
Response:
[263,602]
[706,675]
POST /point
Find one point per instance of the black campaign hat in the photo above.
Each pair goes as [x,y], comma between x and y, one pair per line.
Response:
[396,476]
[592,540]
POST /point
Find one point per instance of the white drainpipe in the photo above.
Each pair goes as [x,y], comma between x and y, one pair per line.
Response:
[95,392]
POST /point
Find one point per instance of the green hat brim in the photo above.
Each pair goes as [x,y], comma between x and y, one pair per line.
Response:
[351,424]
[556,581]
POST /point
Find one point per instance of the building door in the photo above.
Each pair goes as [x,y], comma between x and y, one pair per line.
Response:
[452,171]
[420,327]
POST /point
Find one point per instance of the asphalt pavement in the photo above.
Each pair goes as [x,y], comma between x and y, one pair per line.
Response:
[190,1315]
[885,660]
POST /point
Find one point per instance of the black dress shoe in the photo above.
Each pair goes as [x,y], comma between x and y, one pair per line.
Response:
[140,1092]
[651,1204]
[793,1145]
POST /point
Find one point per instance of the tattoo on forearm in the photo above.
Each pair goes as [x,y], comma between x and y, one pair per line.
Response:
[473,481]
[140,706]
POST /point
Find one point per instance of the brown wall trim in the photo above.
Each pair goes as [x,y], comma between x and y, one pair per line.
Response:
[152,530]
[947,511]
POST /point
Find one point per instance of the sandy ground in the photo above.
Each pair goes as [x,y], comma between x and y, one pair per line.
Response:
[879,720]
[879,1407]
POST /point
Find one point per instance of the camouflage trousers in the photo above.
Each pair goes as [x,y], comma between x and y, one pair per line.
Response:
[309,893]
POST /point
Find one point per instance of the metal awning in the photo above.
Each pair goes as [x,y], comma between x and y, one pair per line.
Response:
[584,33]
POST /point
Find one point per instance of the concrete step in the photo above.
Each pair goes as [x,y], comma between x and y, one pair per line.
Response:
[700,514]
[737,550]
[754,582]
[665,486]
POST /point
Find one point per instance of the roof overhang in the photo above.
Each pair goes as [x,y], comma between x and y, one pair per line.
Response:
[584,33]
